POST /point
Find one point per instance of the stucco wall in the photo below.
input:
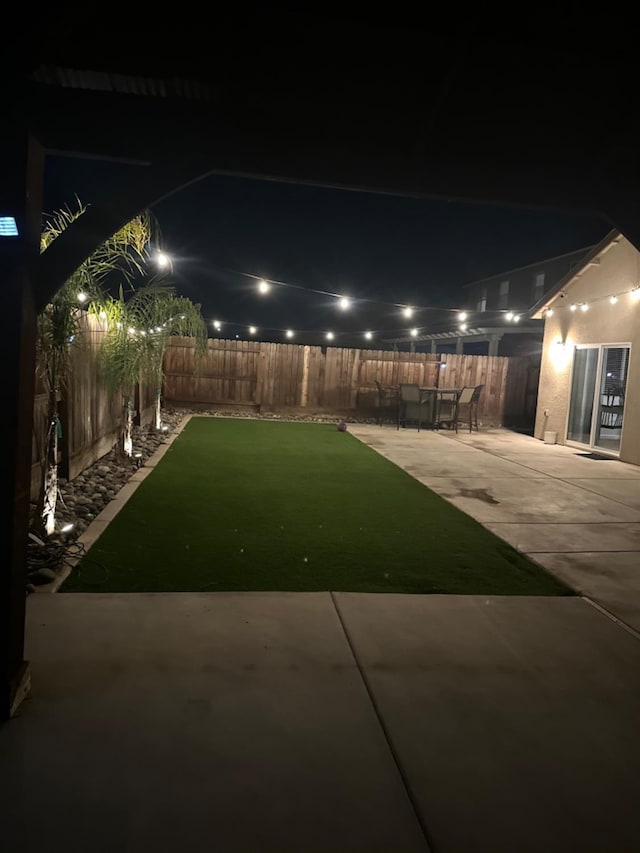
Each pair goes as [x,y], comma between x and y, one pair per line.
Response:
[603,323]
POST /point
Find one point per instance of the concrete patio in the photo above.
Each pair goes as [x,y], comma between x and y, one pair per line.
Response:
[353,722]
[577,516]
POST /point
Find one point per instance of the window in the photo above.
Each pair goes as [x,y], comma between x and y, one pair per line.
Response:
[538,286]
[503,295]
[482,301]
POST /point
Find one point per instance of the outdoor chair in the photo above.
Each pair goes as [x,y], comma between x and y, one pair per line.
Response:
[445,409]
[387,403]
[612,409]
[410,405]
[468,397]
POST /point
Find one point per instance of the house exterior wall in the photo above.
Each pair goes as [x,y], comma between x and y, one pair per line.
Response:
[521,294]
[603,323]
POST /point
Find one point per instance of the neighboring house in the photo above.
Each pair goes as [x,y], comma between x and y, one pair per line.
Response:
[589,389]
[519,289]
[497,310]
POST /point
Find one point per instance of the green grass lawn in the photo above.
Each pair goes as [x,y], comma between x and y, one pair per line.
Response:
[256,505]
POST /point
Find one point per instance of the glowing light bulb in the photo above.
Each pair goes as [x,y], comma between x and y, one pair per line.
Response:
[368,335]
[584,307]
[162,259]
[574,307]
[345,303]
[462,316]
[463,327]
[252,330]
[408,312]
[82,297]
[613,300]
[329,336]
[509,316]
[413,333]
[264,286]
[635,294]
[549,312]
[103,315]
[289,333]
[516,318]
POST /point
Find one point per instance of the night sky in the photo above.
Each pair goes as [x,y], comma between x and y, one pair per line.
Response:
[384,249]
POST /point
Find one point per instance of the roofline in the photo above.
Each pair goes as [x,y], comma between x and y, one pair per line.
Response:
[527,266]
[483,332]
[535,312]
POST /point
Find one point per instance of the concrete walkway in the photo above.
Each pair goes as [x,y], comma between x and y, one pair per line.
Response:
[259,722]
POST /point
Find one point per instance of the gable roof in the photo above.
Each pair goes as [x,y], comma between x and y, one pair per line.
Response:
[536,311]
[535,265]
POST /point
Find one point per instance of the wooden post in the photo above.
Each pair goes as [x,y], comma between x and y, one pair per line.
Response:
[304,392]
[262,369]
[21,189]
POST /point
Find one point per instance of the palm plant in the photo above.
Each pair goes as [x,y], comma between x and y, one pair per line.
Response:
[137,330]
[62,324]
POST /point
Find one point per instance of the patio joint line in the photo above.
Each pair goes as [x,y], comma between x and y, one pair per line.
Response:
[565,480]
[609,615]
[588,551]
[403,777]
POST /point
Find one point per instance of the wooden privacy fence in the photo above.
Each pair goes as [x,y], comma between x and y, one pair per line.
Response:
[90,415]
[273,377]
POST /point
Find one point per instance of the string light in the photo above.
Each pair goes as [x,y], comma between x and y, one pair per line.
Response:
[481,318]
[81,297]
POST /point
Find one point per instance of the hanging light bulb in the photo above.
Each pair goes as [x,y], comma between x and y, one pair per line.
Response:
[463,327]
[82,297]
[368,335]
[408,311]
[549,312]
[345,303]
[252,330]
[509,316]
[584,307]
[574,307]
[613,299]
[413,333]
[329,336]
[635,294]
[264,286]
[289,333]
[462,316]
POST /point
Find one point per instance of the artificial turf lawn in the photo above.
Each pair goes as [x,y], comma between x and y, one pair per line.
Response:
[255,505]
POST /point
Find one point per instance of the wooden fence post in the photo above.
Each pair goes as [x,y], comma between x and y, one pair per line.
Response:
[304,391]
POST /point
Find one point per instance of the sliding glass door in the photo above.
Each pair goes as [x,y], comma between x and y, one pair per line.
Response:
[598,388]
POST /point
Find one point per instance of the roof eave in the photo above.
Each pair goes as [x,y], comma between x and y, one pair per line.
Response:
[536,312]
